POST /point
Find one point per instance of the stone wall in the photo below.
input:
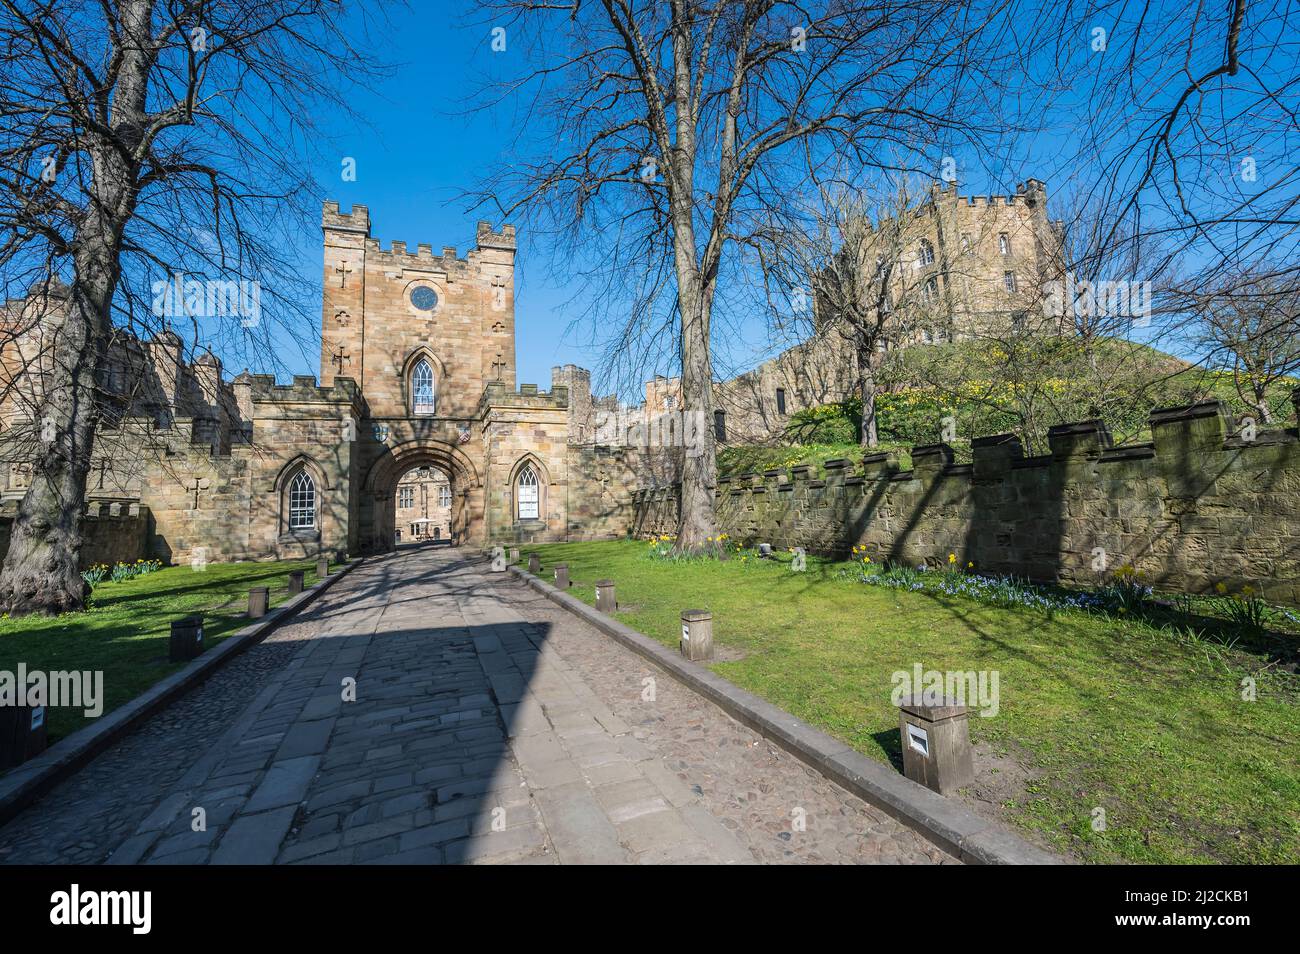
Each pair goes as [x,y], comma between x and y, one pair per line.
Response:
[1197,506]
[114,531]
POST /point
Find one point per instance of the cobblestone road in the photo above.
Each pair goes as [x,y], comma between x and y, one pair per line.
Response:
[427,710]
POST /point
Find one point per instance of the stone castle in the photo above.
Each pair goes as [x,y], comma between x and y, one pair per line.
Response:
[418,377]
[962,267]
[418,430]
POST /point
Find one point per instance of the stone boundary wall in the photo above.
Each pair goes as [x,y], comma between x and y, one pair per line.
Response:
[115,531]
[1198,506]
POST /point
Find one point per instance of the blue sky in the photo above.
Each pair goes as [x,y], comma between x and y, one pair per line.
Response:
[421,146]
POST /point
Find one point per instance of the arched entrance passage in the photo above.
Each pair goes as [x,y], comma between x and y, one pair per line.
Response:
[379,492]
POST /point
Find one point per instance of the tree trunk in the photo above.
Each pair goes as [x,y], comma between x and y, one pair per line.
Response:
[867,388]
[697,521]
[42,572]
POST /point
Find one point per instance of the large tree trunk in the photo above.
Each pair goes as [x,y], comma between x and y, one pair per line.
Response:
[42,571]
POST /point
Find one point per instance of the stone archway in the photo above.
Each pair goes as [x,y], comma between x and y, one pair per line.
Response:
[379,487]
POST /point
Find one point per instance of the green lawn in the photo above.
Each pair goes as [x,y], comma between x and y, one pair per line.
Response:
[125,631]
[1107,713]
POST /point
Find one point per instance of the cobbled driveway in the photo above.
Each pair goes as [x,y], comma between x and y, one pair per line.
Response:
[427,710]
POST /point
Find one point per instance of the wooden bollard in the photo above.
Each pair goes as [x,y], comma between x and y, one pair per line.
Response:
[259,599]
[186,641]
[697,634]
[936,742]
[322,568]
[561,576]
[295,582]
[514,555]
[22,733]
[534,564]
[605,601]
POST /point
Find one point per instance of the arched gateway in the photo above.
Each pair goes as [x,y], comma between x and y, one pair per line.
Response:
[378,529]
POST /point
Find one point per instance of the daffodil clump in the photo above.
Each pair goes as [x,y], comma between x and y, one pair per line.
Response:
[119,572]
[661,547]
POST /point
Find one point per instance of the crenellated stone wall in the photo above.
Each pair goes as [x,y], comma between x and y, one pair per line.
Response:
[1198,506]
[114,531]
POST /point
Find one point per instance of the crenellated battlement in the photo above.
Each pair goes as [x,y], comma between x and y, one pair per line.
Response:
[496,394]
[1198,506]
[303,390]
[357,219]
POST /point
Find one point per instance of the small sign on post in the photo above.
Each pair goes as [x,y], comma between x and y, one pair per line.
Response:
[697,634]
[936,743]
[561,576]
[186,641]
[295,582]
[605,601]
[259,598]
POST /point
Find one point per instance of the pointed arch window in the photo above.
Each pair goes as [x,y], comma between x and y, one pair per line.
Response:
[302,502]
[422,389]
[526,494]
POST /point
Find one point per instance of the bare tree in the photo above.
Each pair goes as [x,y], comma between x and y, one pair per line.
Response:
[140,140]
[868,294]
[1190,132]
[1252,327]
[656,137]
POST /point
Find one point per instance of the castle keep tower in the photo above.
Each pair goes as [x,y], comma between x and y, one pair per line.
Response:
[385,309]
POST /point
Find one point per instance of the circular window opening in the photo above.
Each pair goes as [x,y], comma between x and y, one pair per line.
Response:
[424,298]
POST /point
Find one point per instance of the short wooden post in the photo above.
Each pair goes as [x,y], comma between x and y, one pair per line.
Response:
[561,576]
[186,641]
[259,599]
[697,634]
[322,568]
[22,734]
[514,555]
[605,601]
[295,582]
[936,743]
[534,564]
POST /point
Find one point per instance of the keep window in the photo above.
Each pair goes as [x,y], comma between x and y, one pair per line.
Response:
[720,426]
[526,494]
[422,389]
[302,502]
[1009,280]
[1004,244]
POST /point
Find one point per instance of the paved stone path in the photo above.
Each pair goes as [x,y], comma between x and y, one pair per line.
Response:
[481,723]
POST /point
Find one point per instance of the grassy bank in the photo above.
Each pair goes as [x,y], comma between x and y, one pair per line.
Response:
[1102,712]
[125,630]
